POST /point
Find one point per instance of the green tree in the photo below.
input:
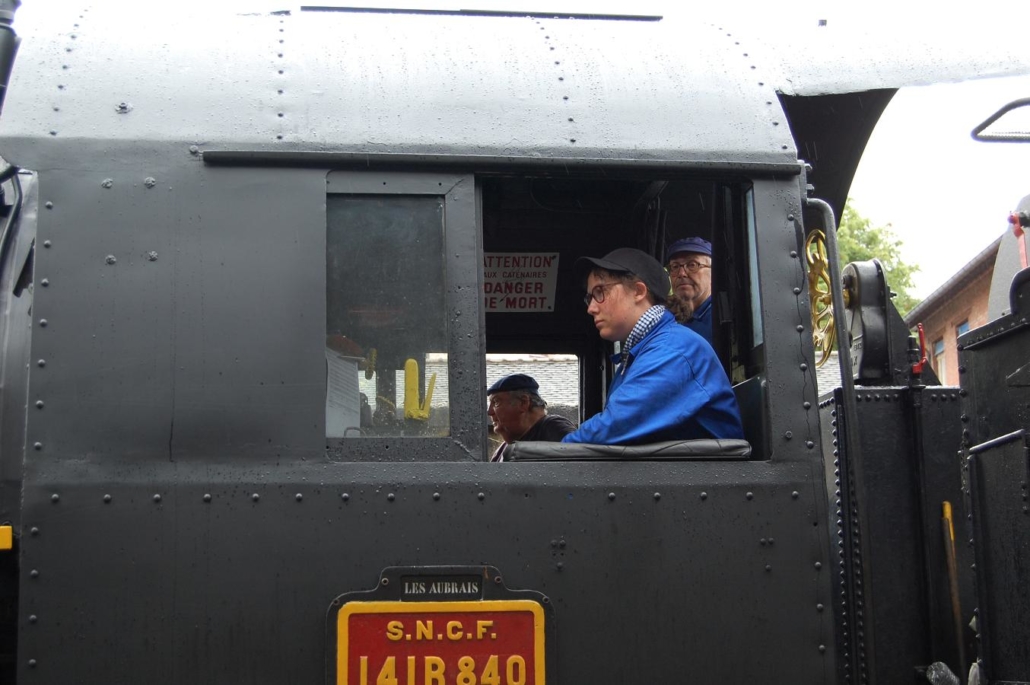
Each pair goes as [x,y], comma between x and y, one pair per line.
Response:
[858,240]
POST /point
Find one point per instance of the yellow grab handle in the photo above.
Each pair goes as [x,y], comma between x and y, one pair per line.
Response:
[413,409]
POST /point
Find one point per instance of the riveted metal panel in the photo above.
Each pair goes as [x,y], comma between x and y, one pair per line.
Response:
[794,419]
[227,572]
[1000,489]
[176,324]
[995,374]
[995,379]
[893,598]
[502,87]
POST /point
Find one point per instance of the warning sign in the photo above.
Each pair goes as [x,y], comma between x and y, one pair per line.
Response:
[519,281]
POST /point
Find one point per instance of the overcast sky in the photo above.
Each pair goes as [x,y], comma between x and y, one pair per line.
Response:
[944,194]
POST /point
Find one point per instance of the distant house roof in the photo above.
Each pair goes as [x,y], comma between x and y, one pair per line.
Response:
[976,266]
[558,375]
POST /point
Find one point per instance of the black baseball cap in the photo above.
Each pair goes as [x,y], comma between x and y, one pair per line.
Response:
[629,260]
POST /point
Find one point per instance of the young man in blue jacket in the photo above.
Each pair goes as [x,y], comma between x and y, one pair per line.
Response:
[669,384]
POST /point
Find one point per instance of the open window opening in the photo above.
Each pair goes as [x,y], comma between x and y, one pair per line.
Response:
[534,229]
[558,375]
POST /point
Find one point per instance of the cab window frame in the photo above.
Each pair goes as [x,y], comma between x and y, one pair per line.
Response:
[462,313]
[732,225]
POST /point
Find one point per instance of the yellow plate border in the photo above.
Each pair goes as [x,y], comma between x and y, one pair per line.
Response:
[394,607]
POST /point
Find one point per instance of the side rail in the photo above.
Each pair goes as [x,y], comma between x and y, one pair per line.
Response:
[727,450]
[985,134]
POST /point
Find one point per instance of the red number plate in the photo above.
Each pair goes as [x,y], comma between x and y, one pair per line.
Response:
[497,642]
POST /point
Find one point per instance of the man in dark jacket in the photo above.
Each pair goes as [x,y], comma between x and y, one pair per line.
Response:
[669,384]
[519,413]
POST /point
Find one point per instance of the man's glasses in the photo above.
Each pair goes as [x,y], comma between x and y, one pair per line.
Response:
[597,293]
[691,267]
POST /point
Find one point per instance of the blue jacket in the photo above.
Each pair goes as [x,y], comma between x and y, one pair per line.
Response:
[671,388]
[702,321]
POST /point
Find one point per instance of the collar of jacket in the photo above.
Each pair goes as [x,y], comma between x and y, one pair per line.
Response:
[664,317]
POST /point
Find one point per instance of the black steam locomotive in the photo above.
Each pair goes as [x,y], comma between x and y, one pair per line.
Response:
[257,267]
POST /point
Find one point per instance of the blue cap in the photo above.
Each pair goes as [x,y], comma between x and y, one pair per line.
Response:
[696,245]
[516,381]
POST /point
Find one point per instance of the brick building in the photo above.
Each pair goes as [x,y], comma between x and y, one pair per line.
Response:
[956,307]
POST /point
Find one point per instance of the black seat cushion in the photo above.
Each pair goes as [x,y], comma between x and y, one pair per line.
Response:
[675,450]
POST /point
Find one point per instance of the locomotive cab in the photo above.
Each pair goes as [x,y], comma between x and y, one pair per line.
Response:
[255,348]
[592,216]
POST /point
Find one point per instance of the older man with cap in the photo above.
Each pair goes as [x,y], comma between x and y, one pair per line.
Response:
[668,384]
[690,268]
[519,413]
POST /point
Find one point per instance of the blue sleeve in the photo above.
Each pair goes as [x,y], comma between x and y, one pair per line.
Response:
[658,396]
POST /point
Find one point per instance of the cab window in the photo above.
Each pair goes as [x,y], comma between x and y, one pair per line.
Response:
[574,217]
[403,364]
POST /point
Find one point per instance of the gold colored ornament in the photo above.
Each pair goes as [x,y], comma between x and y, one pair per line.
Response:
[824,334]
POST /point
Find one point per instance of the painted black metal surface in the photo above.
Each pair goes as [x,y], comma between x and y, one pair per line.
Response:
[995,378]
[171,327]
[995,372]
[788,395]
[185,517]
[999,482]
[181,337]
[866,317]
[830,133]
[226,571]
[894,569]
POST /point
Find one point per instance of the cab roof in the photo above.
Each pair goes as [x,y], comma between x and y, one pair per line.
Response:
[316,80]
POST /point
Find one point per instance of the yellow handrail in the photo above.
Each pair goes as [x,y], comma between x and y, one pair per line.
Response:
[413,409]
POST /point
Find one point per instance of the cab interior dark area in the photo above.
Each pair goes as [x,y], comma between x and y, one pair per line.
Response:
[586,216]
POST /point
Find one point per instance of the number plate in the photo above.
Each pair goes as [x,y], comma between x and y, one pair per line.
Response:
[493,642]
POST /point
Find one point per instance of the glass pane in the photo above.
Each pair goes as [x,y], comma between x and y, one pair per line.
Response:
[386,327]
[962,328]
[938,361]
[756,297]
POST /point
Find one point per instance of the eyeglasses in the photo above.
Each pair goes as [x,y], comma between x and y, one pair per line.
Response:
[597,293]
[691,267]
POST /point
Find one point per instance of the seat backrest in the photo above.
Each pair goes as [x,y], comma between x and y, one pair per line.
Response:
[659,451]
